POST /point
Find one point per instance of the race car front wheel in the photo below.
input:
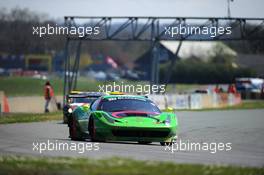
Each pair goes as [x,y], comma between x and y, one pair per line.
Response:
[91,128]
[92,131]
[73,130]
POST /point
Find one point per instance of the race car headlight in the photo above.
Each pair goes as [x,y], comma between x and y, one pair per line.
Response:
[167,121]
[70,110]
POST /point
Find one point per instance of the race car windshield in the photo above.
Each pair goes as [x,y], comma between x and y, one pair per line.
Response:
[84,100]
[129,105]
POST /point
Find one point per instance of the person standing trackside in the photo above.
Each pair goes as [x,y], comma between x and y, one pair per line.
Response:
[232,89]
[48,95]
[217,89]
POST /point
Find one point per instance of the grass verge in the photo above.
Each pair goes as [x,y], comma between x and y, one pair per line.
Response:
[249,105]
[114,166]
[24,118]
[22,86]
[243,106]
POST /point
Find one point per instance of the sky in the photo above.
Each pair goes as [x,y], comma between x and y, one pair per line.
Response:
[199,8]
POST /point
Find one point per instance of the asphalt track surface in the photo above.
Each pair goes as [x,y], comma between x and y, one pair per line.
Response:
[244,129]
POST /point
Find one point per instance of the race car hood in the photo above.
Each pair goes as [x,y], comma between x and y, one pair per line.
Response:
[122,114]
[139,118]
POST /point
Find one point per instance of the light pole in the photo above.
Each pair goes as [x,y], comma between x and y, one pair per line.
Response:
[228,8]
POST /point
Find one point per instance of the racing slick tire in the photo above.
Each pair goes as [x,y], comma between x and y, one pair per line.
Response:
[73,130]
[166,143]
[169,143]
[91,129]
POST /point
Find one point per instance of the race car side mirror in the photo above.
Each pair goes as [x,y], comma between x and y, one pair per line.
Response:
[169,109]
[86,107]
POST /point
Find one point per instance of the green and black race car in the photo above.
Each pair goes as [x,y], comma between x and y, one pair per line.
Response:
[78,98]
[123,118]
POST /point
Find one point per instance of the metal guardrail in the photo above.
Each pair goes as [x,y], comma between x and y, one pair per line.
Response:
[195,101]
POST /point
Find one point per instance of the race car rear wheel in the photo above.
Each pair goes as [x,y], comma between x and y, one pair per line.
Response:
[166,143]
[173,140]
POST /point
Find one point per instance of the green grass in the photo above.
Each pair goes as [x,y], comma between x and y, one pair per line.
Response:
[14,165]
[254,104]
[14,86]
[26,86]
[249,105]
[24,118]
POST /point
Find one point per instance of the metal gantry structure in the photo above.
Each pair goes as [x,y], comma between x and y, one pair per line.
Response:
[153,30]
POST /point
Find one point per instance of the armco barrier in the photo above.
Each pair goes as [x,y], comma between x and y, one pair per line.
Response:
[159,100]
[31,104]
[208,101]
[182,102]
[35,104]
[234,99]
[222,100]
[195,101]
[170,100]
